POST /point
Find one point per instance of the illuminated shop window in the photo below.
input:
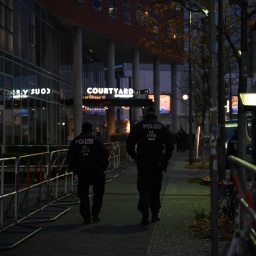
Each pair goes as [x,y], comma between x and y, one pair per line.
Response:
[112,8]
[96,4]
[127,14]
[155,24]
[141,13]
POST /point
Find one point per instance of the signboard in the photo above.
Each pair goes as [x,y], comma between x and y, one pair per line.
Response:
[26,92]
[117,92]
[165,103]
[234,104]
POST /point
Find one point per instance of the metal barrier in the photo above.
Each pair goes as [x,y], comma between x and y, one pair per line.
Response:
[28,147]
[244,237]
[37,183]
[58,163]
[31,180]
[6,193]
[114,154]
[39,180]
[40,190]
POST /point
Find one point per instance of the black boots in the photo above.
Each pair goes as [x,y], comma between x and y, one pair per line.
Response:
[144,220]
[155,218]
[95,219]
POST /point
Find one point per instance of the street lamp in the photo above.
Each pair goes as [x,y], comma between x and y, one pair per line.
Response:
[185,98]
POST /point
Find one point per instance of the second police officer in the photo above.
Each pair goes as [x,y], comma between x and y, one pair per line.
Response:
[87,157]
[150,145]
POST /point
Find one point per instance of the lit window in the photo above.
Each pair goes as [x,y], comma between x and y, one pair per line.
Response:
[96,4]
[127,15]
[171,31]
[112,8]
[155,24]
[141,13]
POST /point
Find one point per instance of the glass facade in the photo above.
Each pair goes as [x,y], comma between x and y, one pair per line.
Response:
[35,75]
[127,12]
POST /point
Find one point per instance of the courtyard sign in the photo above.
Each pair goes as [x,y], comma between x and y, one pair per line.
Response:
[118,92]
[123,92]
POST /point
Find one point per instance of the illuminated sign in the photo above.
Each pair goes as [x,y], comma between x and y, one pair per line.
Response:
[118,92]
[234,104]
[165,103]
[95,97]
[26,92]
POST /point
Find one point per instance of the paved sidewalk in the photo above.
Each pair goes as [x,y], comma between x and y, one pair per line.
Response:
[119,232]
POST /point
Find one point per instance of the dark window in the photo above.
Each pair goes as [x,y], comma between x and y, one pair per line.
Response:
[96,4]
[127,14]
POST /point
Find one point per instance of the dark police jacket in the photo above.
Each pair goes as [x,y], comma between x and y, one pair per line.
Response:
[87,154]
[150,138]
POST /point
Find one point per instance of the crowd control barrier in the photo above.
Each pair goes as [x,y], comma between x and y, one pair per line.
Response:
[244,237]
[58,171]
[39,180]
[7,192]
[114,154]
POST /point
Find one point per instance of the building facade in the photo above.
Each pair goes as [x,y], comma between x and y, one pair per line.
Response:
[51,52]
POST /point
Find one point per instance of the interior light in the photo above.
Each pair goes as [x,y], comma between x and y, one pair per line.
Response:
[248,99]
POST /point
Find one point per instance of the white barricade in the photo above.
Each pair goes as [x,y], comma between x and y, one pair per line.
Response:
[11,191]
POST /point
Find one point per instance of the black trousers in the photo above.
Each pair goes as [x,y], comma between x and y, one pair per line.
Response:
[98,184]
[149,184]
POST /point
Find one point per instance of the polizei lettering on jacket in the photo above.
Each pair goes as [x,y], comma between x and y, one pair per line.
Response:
[152,126]
[84,141]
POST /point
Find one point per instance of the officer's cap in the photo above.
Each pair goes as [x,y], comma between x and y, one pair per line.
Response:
[86,126]
[151,112]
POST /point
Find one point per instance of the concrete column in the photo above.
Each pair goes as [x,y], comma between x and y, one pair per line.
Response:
[157,85]
[174,87]
[137,113]
[77,80]
[110,84]
[52,136]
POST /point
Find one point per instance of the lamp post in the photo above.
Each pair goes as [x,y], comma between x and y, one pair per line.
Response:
[190,93]
[185,97]
[213,129]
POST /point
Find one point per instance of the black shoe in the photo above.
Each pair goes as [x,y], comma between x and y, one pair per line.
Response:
[95,219]
[155,218]
[144,220]
[87,222]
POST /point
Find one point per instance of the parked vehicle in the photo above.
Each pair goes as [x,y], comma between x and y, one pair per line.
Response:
[231,126]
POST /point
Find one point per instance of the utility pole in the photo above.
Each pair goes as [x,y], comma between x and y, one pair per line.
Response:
[213,129]
[243,75]
[253,72]
[221,96]
[190,119]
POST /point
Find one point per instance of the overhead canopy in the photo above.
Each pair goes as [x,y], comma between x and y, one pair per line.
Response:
[118,102]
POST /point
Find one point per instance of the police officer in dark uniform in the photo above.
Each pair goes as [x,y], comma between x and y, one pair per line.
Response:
[150,145]
[87,157]
[232,148]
